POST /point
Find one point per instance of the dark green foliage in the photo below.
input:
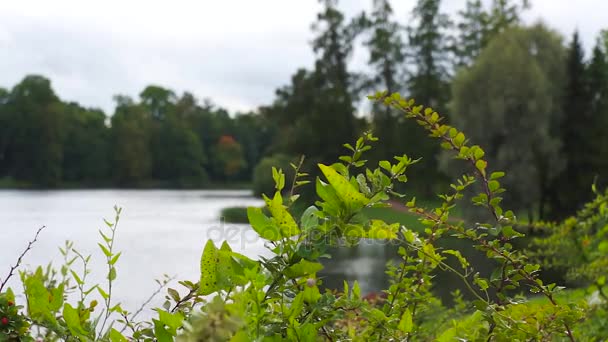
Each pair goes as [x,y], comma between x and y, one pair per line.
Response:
[131,155]
[582,128]
[478,26]
[234,215]
[428,47]
[262,176]
[509,102]
[34,133]
[86,147]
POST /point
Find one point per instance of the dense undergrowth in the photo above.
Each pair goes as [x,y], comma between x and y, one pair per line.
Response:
[278,298]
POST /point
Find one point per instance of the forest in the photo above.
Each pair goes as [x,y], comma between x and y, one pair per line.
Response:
[488,134]
[486,71]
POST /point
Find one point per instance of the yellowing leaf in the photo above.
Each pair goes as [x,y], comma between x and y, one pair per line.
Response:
[282,218]
[382,231]
[345,191]
[263,225]
[209,262]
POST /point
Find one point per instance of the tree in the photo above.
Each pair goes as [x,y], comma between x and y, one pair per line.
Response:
[157,100]
[387,58]
[583,128]
[429,83]
[598,83]
[5,126]
[478,26]
[508,101]
[132,159]
[180,158]
[86,155]
[228,159]
[331,111]
[34,149]
[255,133]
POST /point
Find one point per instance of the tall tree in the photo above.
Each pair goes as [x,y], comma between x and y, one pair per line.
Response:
[36,132]
[4,133]
[573,187]
[429,83]
[132,158]
[316,113]
[387,58]
[332,115]
[508,102]
[478,26]
[86,145]
[598,82]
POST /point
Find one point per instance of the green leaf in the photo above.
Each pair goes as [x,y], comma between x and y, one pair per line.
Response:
[263,225]
[72,320]
[209,261]
[309,219]
[76,278]
[161,333]
[303,268]
[345,191]
[497,175]
[171,320]
[463,262]
[116,336]
[493,185]
[459,139]
[281,217]
[174,294]
[115,258]
[385,164]
[406,324]
[382,231]
[356,290]
[103,293]
[105,250]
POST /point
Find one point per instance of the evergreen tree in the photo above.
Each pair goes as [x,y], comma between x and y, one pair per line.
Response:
[429,83]
[598,84]
[574,184]
[316,113]
[332,115]
[387,58]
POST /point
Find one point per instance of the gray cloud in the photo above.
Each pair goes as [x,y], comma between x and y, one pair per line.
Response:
[235,52]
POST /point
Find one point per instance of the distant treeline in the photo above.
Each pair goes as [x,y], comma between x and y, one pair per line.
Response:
[536,104]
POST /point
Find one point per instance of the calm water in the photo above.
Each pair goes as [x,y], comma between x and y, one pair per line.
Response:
[160,231]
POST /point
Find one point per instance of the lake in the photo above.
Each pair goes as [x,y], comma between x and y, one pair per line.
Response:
[160,231]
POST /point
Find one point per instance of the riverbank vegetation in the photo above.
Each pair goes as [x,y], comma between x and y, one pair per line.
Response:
[278,298]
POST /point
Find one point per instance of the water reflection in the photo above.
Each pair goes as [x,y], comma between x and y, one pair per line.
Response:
[366,263]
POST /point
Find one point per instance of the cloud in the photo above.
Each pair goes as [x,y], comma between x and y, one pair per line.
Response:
[236,52]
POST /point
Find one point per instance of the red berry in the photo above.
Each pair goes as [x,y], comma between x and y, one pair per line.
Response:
[10,303]
[4,321]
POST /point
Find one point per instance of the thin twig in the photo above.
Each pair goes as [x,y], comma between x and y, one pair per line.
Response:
[27,249]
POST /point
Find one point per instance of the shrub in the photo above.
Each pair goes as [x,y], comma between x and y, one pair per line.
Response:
[278,298]
[262,178]
[234,215]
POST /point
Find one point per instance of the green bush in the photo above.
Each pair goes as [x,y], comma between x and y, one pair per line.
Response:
[234,215]
[262,177]
[278,298]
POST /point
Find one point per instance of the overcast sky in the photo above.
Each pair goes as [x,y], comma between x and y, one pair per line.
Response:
[236,52]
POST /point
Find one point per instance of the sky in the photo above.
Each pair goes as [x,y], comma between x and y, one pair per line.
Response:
[235,52]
